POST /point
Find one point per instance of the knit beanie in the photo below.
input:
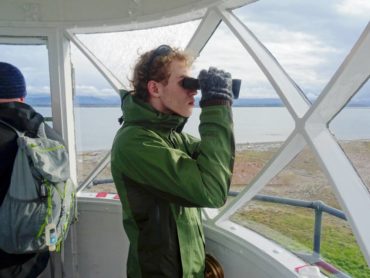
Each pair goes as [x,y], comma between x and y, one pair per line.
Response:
[12,84]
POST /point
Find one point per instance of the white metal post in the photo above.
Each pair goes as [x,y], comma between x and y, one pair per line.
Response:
[62,92]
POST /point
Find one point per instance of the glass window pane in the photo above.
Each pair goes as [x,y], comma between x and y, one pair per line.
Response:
[261,121]
[103,182]
[120,50]
[269,213]
[96,110]
[94,97]
[310,39]
[351,127]
[33,62]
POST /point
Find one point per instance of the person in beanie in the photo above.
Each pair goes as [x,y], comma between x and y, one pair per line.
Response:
[164,176]
[14,111]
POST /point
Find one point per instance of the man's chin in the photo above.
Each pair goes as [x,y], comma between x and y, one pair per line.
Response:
[185,114]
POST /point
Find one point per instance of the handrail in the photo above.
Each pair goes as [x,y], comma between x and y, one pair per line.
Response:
[318,206]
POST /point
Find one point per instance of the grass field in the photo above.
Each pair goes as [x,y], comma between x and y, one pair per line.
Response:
[293,227]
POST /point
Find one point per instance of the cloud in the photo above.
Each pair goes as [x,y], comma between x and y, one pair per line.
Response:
[38,90]
[354,8]
[303,55]
[89,90]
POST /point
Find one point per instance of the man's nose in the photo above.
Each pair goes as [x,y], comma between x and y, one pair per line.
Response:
[192,92]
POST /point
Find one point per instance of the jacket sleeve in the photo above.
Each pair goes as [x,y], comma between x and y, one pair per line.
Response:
[202,179]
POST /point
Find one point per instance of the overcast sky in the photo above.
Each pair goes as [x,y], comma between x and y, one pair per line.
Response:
[310,39]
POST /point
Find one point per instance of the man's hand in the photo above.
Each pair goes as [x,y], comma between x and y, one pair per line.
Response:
[215,84]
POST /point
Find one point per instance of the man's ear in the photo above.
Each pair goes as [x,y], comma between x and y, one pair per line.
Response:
[152,88]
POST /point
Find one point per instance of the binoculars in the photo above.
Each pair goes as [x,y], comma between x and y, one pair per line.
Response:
[193,84]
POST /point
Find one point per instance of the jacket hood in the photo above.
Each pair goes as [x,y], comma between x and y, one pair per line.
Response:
[20,115]
[141,113]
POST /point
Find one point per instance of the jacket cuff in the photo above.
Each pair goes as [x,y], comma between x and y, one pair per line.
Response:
[212,102]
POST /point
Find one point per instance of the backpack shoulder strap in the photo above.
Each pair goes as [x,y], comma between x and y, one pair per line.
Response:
[41,133]
[19,133]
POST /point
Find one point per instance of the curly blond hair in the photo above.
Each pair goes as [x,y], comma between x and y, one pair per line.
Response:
[155,68]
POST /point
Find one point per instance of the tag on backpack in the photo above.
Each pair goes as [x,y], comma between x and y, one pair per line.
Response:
[51,236]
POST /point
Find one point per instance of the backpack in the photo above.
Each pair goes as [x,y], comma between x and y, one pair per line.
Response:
[40,204]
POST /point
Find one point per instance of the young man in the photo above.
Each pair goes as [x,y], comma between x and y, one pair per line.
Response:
[164,176]
[14,111]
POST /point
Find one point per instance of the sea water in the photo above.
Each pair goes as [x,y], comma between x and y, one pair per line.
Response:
[96,126]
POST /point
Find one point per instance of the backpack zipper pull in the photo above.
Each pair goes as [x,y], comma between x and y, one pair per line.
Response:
[43,191]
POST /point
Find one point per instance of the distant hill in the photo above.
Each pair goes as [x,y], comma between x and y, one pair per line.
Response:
[257,102]
[94,101]
[84,101]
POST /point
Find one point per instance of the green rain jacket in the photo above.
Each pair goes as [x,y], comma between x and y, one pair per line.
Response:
[163,178]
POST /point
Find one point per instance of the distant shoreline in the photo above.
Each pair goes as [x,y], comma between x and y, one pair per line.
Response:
[197,106]
[239,147]
[86,101]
